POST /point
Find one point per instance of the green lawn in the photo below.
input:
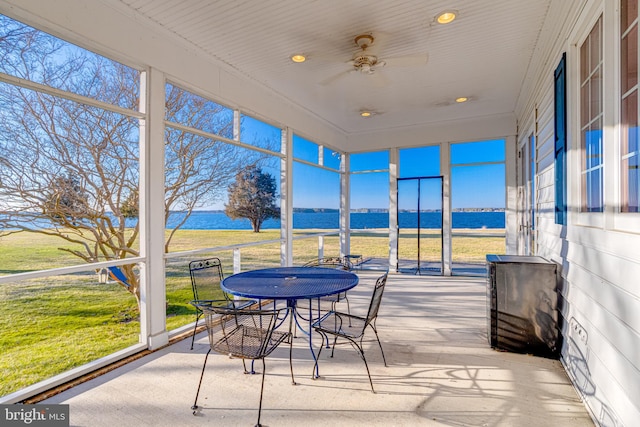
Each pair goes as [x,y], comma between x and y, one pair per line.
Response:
[53,324]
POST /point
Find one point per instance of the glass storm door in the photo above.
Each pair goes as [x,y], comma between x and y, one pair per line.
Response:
[420,225]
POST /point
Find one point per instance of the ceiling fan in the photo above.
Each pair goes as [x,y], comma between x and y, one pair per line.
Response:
[367,63]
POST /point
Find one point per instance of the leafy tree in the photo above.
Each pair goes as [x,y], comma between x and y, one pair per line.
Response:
[252,196]
[130,207]
[65,198]
[75,167]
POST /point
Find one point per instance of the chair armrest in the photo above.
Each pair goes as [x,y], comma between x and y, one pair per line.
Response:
[206,303]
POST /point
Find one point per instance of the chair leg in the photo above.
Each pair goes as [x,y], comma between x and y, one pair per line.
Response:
[261,391]
[360,349]
[348,308]
[333,348]
[366,366]
[335,337]
[195,402]
[291,322]
[357,346]
[193,337]
[379,344]
[315,365]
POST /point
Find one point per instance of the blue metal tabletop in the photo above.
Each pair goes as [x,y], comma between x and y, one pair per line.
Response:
[289,283]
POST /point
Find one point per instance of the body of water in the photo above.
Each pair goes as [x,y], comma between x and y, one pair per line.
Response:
[205,220]
[215,220]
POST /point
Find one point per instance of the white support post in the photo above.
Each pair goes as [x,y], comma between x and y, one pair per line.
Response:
[237,261]
[511,185]
[393,209]
[153,328]
[236,125]
[445,167]
[320,247]
[286,199]
[345,206]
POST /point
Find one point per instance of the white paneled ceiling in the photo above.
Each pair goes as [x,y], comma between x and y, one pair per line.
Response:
[482,55]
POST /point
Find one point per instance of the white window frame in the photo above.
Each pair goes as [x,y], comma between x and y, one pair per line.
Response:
[621,221]
[574,157]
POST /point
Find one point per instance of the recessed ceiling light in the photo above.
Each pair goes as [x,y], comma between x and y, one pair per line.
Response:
[446,17]
[366,113]
[298,57]
[462,99]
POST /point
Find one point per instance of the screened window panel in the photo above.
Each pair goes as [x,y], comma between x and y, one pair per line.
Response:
[305,150]
[188,109]
[377,160]
[422,161]
[591,112]
[331,158]
[260,134]
[629,154]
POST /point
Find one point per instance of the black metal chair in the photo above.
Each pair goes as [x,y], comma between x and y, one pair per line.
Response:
[337,324]
[340,263]
[206,276]
[244,334]
[330,262]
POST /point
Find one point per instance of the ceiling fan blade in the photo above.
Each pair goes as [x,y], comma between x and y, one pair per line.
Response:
[379,79]
[335,78]
[406,61]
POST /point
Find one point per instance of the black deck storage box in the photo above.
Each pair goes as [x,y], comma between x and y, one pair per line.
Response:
[522,303]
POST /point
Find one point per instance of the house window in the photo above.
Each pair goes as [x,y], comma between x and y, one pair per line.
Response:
[591,121]
[629,150]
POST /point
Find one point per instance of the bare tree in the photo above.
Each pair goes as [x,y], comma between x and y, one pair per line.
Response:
[198,169]
[71,170]
[252,196]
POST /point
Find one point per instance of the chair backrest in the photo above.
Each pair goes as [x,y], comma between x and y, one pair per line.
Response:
[331,262]
[376,298]
[242,333]
[206,275]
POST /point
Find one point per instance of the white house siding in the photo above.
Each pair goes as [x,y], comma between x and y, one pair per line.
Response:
[600,289]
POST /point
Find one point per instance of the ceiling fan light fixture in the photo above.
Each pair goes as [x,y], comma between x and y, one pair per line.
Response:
[298,57]
[446,16]
[366,69]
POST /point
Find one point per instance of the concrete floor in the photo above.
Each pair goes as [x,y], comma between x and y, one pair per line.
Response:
[441,372]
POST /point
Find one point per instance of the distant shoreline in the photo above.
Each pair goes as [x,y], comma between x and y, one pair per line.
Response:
[330,219]
[365,210]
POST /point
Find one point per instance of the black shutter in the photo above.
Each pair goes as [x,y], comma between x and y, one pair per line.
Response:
[560,128]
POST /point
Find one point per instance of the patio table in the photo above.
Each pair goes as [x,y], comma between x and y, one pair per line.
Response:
[291,284]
